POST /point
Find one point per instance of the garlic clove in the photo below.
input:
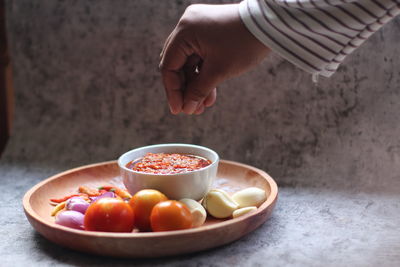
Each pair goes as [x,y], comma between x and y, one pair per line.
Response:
[199,214]
[243,211]
[252,196]
[219,204]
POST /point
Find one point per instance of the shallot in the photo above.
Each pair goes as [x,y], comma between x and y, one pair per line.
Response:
[70,218]
[77,204]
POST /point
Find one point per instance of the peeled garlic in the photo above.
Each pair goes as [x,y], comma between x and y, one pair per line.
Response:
[252,196]
[199,214]
[219,204]
[243,211]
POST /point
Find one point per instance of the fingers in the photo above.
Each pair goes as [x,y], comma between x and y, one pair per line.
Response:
[210,99]
[208,102]
[191,67]
[199,110]
[173,82]
[191,70]
[173,59]
[165,45]
[181,73]
[201,89]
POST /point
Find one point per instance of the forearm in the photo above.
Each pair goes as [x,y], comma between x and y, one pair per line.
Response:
[316,35]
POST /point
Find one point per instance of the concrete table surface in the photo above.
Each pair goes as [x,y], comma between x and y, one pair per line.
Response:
[87,90]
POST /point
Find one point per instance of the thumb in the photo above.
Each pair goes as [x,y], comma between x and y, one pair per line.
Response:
[200,86]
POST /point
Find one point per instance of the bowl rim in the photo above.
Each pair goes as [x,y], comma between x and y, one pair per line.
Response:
[213,163]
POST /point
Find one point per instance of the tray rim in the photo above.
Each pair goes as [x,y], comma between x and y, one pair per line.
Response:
[29,212]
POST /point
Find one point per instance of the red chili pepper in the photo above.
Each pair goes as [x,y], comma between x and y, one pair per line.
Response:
[124,194]
[89,191]
[107,187]
[118,191]
[59,200]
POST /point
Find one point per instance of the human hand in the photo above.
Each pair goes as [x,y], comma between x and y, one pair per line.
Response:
[209,45]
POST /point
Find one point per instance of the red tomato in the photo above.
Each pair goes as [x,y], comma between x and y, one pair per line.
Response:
[142,203]
[109,215]
[170,215]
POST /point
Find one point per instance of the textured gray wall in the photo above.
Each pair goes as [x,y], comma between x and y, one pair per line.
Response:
[88,89]
[87,86]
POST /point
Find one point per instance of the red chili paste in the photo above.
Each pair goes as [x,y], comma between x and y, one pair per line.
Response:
[164,163]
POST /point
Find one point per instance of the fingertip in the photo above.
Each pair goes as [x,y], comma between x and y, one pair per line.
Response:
[202,87]
[210,99]
[190,106]
[175,110]
[199,110]
[173,88]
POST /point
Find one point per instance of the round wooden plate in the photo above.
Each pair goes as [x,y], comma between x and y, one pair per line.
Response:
[232,176]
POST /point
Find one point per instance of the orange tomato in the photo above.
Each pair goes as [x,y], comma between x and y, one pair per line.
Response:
[142,203]
[170,215]
[109,215]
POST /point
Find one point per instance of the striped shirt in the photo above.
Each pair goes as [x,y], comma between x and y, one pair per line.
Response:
[316,35]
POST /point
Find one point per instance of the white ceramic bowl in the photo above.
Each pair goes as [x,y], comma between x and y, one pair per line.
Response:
[194,184]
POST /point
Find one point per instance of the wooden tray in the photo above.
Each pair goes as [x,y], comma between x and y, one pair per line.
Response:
[232,176]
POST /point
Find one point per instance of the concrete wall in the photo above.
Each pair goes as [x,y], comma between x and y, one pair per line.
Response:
[88,89]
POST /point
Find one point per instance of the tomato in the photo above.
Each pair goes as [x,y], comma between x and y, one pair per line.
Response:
[170,215]
[142,203]
[109,215]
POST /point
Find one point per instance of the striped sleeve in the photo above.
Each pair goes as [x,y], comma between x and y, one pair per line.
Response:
[316,35]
